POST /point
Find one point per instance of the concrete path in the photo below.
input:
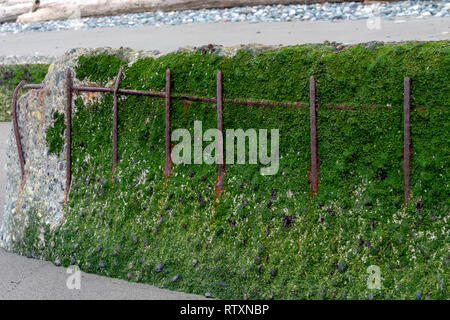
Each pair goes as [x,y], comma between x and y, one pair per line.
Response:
[168,38]
[23,278]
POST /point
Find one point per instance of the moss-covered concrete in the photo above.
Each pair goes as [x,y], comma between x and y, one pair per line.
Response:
[267,236]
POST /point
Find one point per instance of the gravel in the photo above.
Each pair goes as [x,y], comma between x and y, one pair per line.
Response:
[255,14]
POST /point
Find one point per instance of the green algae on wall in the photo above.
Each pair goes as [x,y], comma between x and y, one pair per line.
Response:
[266,236]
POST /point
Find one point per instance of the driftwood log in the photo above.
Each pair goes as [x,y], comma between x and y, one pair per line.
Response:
[11,9]
[27,11]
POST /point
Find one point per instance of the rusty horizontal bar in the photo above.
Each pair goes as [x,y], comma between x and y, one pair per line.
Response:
[92,89]
[160,94]
[262,103]
[219,100]
[119,91]
[220,147]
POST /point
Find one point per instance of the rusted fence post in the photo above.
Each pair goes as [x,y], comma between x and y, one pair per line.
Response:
[407,137]
[69,86]
[313,175]
[220,146]
[116,120]
[17,133]
[168,161]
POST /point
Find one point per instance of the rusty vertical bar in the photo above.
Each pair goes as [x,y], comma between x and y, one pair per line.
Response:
[168,161]
[313,136]
[220,146]
[17,133]
[407,137]
[69,86]
[116,120]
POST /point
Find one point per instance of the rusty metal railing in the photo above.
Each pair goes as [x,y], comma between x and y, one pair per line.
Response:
[407,137]
[219,100]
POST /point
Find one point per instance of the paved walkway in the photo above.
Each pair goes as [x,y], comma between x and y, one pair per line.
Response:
[168,38]
[23,278]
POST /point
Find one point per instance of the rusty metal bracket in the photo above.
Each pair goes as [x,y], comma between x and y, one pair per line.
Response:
[33,86]
[407,137]
[313,136]
[243,102]
[17,133]
[220,146]
[69,86]
[168,160]
[116,120]
[219,100]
